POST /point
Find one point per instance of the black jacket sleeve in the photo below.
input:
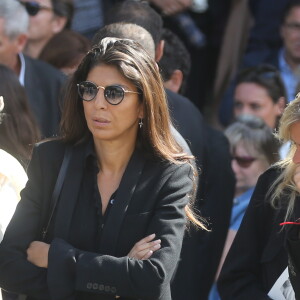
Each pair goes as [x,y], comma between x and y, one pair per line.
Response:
[293,249]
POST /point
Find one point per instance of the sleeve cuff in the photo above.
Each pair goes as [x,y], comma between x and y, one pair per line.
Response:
[61,270]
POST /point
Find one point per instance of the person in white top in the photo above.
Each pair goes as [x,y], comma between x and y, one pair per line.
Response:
[12,180]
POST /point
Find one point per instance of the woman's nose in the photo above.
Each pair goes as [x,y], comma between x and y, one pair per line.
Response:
[100,101]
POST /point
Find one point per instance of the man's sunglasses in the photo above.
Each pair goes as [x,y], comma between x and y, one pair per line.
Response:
[33,7]
[244,161]
[113,94]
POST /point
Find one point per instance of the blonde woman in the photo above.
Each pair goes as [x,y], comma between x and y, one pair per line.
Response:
[290,185]
[258,257]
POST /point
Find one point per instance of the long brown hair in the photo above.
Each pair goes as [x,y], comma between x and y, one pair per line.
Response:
[18,128]
[135,64]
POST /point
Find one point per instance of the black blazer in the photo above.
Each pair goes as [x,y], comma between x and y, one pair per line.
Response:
[257,256]
[153,196]
[293,249]
[43,85]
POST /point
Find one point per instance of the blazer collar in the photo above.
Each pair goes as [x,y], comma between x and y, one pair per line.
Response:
[70,191]
[123,197]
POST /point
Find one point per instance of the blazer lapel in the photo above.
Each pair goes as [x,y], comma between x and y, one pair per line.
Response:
[69,193]
[125,192]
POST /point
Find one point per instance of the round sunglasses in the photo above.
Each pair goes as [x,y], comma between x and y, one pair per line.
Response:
[113,94]
[33,7]
[244,161]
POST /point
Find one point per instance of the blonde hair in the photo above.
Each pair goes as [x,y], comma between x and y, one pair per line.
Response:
[284,184]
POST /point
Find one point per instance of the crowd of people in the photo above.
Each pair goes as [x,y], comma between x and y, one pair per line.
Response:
[149,149]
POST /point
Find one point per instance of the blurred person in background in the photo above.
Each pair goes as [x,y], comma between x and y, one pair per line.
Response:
[46,18]
[253,149]
[175,65]
[274,40]
[287,57]
[12,180]
[65,50]
[42,82]
[19,130]
[260,91]
[258,256]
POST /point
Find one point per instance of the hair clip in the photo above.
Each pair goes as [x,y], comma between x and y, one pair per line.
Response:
[94,51]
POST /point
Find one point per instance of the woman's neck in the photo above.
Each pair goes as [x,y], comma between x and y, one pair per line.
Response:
[113,157]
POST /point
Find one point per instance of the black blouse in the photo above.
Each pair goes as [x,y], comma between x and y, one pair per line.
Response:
[88,221]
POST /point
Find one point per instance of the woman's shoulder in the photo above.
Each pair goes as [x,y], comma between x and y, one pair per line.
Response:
[165,169]
[265,186]
[270,175]
[48,153]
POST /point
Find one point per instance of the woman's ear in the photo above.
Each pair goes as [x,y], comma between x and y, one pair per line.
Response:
[159,51]
[58,24]
[141,111]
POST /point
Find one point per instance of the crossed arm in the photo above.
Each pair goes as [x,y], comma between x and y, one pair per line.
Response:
[37,252]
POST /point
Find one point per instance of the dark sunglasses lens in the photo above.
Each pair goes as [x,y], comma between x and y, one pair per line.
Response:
[244,162]
[32,8]
[114,94]
[87,90]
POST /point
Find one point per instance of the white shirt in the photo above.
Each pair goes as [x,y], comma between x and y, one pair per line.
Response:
[12,180]
[22,70]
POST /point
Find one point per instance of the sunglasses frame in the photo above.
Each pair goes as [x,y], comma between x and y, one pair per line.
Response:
[104,89]
[244,161]
[33,7]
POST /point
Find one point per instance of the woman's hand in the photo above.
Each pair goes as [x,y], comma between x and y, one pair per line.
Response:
[37,254]
[297,177]
[144,248]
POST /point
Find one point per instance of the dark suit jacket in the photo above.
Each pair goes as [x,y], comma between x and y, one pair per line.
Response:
[293,249]
[201,251]
[257,256]
[153,196]
[43,84]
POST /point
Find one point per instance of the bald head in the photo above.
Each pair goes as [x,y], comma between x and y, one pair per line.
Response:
[127,31]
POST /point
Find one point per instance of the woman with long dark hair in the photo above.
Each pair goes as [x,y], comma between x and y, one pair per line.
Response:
[127,178]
